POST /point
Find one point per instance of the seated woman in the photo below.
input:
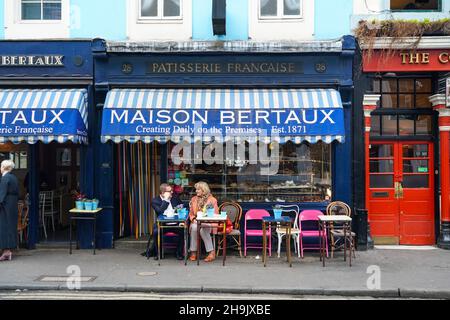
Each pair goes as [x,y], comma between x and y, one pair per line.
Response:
[198,203]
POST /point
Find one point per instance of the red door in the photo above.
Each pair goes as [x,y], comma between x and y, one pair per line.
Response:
[401,193]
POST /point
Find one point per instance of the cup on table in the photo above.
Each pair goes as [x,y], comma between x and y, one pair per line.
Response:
[223,214]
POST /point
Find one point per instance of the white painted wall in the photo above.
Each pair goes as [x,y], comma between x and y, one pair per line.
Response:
[15,28]
[176,29]
[360,7]
[282,29]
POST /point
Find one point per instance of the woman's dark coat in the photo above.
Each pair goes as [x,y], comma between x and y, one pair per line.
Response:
[9,195]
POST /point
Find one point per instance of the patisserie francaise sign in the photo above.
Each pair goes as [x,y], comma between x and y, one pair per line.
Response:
[282,122]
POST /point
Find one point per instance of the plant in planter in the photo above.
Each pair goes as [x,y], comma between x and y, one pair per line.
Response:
[277,211]
[209,209]
[79,198]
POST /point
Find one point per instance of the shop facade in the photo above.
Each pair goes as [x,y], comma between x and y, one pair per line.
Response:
[402,90]
[262,123]
[46,91]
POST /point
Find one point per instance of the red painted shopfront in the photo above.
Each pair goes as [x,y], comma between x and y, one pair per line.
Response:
[407,147]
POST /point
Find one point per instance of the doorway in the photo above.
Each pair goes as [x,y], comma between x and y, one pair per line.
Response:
[401,192]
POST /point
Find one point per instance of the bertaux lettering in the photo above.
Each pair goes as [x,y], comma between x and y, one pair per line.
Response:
[32,61]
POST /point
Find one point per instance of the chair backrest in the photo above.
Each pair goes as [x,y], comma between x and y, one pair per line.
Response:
[339,208]
[46,199]
[255,214]
[291,210]
[309,215]
[20,206]
[234,212]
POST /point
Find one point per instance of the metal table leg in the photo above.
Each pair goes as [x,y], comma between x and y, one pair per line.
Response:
[95,229]
[198,242]
[70,235]
[264,242]
[158,247]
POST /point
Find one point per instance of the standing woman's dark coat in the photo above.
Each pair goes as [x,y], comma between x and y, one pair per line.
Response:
[9,195]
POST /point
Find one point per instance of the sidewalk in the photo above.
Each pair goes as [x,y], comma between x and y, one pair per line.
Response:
[403,273]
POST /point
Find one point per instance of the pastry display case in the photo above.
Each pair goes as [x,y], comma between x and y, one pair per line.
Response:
[298,173]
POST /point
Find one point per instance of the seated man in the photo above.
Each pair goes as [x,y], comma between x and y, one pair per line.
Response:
[165,204]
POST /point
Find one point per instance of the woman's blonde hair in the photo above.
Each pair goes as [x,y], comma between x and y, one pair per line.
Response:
[204,187]
[8,165]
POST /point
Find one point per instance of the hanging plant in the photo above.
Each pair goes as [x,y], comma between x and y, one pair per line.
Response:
[398,32]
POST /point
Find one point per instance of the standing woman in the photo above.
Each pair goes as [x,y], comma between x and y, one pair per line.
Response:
[9,195]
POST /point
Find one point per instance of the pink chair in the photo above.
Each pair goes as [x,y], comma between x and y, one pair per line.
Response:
[311,215]
[255,215]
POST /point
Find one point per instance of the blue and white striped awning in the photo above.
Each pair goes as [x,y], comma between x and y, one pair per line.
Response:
[43,115]
[162,115]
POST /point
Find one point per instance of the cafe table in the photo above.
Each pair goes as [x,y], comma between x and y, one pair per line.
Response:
[206,221]
[325,224]
[165,222]
[273,222]
[76,215]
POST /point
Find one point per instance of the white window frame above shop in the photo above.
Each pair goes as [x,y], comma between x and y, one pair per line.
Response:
[41,3]
[280,11]
[18,28]
[141,28]
[160,16]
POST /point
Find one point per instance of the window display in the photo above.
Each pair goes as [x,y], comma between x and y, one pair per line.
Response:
[303,174]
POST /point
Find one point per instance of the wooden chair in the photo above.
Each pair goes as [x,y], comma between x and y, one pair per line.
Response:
[234,213]
[336,232]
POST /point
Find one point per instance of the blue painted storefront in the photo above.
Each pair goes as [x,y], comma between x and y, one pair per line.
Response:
[75,73]
[130,69]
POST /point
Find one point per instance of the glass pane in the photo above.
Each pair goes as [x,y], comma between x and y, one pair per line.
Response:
[149,8]
[379,166]
[268,7]
[376,86]
[389,85]
[406,85]
[406,101]
[415,166]
[414,5]
[423,101]
[52,11]
[23,164]
[381,181]
[406,124]
[423,85]
[415,151]
[375,126]
[291,7]
[381,151]
[415,181]
[423,124]
[389,125]
[171,8]
[389,101]
[31,11]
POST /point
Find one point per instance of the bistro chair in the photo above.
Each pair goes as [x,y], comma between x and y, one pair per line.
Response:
[234,213]
[336,231]
[46,208]
[311,217]
[293,212]
[256,215]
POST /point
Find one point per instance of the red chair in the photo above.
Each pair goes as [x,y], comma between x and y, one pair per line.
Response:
[311,215]
[256,215]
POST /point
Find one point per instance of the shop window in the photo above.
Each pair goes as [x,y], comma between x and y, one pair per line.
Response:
[279,9]
[160,9]
[20,159]
[41,9]
[405,109]
[303,173]
[415,5]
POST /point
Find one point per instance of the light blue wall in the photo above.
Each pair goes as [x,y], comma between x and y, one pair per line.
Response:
[236,20]
[2,19]
[332,18]
[99,18]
